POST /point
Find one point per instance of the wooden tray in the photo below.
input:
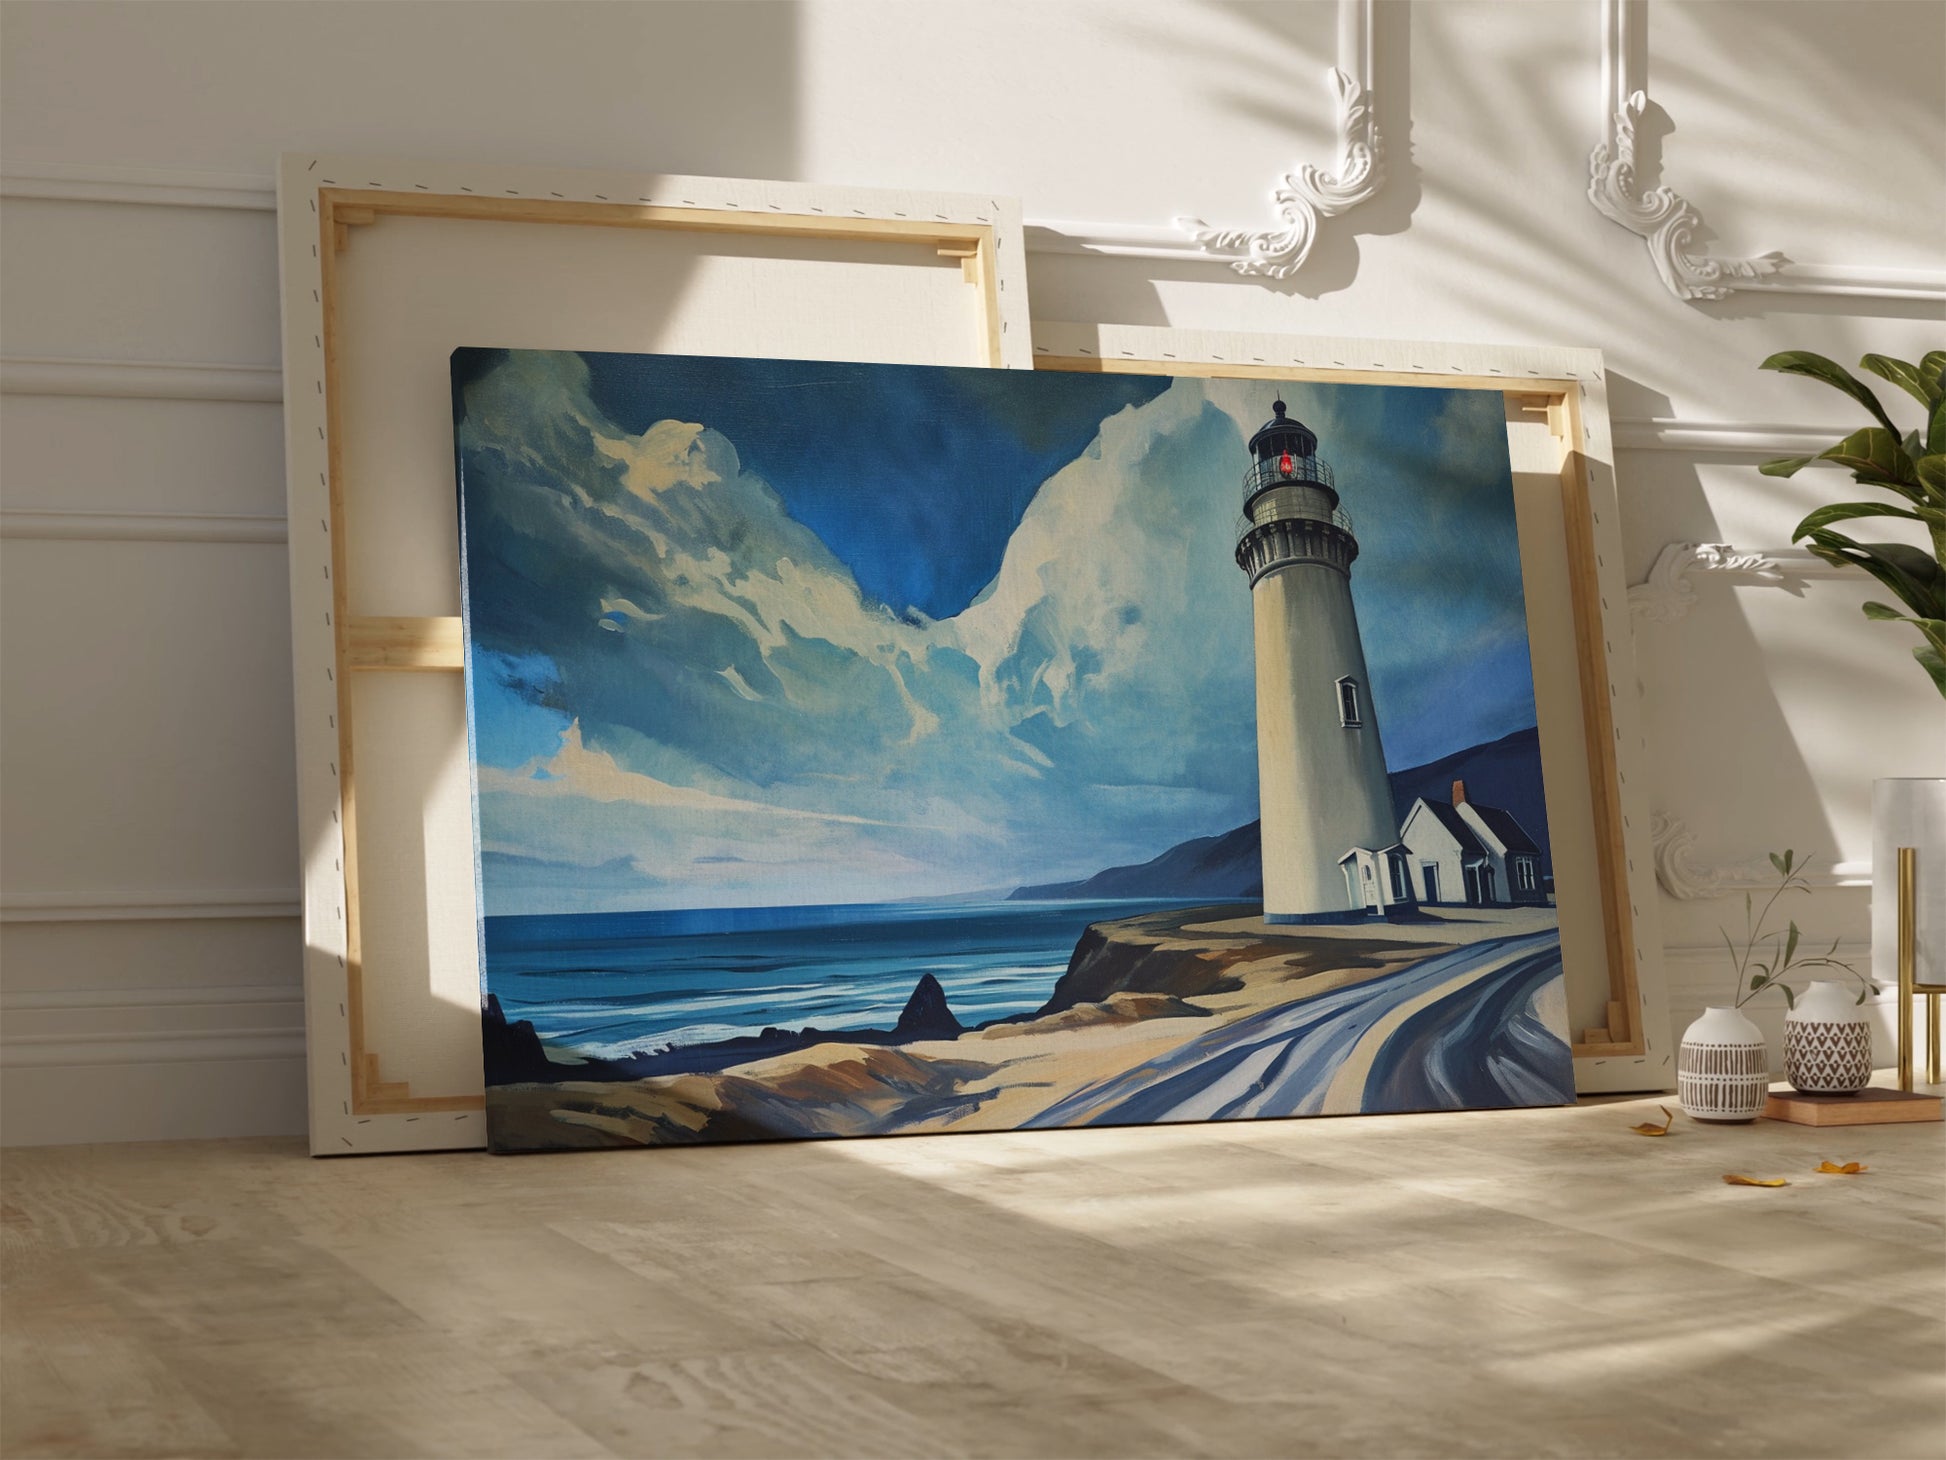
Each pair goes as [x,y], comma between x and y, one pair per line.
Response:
[1870,1106]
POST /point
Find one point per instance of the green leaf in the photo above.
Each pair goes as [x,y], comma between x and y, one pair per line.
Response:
[1873,455]
[1777,862]
[1934,663]
[1789,857]
[1910,572]
[1935,429]
[1847,511]
[1757,979]
[1790,999]
[1790,948]
[1932,365]
[1786,466]
[1930,471]
[1909,378]
[1817,367]
[1933,628]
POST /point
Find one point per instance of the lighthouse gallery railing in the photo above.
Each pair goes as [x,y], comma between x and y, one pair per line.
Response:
[1263,475]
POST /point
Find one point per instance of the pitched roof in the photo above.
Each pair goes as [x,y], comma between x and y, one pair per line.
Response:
[1502,824]
[1373,851]
[1449,817]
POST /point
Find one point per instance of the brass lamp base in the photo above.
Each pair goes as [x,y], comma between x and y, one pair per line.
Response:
[1908,966]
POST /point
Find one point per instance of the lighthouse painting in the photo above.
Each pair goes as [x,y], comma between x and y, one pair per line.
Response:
[867,749]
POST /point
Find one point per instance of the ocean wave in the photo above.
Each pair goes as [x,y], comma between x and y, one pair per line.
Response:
[701,994]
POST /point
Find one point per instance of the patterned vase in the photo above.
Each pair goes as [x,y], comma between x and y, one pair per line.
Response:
[1827,1042]
[1723,1067]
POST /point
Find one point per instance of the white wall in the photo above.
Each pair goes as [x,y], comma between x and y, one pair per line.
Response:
[149,872]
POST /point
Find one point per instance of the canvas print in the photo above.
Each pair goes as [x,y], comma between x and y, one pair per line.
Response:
[872,749]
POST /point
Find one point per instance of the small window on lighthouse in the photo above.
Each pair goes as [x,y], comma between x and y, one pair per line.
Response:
[1348,715]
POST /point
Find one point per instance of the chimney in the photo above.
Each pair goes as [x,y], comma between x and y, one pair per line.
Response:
[1459,793]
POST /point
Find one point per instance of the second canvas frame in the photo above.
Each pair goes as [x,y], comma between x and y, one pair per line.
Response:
[392,1026]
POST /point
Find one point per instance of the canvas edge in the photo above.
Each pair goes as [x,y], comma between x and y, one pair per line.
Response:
[1347,358]
[334,1127]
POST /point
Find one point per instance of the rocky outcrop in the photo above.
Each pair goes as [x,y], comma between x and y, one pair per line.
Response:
[927,1014]
[1151,955]
[1116,1009]
[515,1054]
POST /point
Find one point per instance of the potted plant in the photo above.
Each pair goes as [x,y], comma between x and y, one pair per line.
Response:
[1907,811]
[1723,1068]
[1911,466]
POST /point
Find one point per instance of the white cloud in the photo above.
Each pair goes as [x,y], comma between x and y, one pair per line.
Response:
[576,771]
[764,725]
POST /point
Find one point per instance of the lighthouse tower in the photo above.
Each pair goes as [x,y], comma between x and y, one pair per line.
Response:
[1320,767]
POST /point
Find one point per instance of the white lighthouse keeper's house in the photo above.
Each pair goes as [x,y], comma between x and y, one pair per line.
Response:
[1320,766]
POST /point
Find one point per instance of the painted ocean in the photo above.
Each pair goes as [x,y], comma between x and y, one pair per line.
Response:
[608,985]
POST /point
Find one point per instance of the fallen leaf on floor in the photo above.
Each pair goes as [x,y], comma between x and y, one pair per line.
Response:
[1850,1168]
[1650,1128]
[1754,1181]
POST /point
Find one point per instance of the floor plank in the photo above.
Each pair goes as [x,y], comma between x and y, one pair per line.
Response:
[1498,1284]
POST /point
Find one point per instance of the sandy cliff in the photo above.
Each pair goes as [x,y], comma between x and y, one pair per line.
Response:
[1134,991]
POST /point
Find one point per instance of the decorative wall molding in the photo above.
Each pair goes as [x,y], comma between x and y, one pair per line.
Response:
[1665,220]
[1694,956]
[1667,594]
[1308,195]
[1300,200]
[152,1046]
[23,522]
[290,995]
[139,379]
[158,906]
[1699,975]
[1732,438]
[130,1026]
[195,380]
[1685,877]
[1849,281]
[1668,223]
[75,182]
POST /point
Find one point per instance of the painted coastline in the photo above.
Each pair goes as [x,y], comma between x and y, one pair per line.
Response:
[1187,1014]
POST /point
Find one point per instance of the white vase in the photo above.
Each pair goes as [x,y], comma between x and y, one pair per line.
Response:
[1723,1067]
[1909,812]
[1828,1041]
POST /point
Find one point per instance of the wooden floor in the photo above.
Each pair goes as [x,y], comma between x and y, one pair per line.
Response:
[1507,1284]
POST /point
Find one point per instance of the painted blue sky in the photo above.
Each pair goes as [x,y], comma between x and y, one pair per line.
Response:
[764,632]
[914,478]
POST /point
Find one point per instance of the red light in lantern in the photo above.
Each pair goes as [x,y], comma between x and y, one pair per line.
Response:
[1286,466]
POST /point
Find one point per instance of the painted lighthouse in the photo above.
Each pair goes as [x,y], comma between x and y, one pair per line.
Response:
[1320,765]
